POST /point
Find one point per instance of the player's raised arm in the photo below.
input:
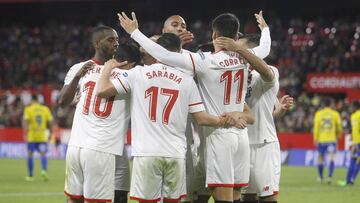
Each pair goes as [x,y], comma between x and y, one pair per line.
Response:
[105,87]
[68,92]
[258,64]
[263,50]
[181,60]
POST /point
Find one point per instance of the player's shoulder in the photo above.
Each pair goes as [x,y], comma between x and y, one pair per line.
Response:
[79,65]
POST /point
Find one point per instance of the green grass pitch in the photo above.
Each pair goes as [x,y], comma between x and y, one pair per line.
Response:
[298,185]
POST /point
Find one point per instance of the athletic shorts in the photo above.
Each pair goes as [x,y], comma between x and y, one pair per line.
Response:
[326,147]
[122,172]
[154,178]
[357,150]
[265,162]
[228,158]
[41,147]
[89,174]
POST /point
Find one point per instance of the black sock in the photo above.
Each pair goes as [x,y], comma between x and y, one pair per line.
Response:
[237,201]
[120,196]
[217,201]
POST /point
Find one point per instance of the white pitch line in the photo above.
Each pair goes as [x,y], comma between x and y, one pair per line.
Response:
[32,194]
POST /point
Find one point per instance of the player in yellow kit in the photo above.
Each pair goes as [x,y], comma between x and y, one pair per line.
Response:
[327,130]
[354,166]
[36,119]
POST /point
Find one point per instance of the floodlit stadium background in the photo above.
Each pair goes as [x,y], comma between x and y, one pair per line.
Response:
[315,45]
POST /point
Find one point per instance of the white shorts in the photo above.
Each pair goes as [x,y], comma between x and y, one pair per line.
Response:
[122,172]
[228,158]
[157,177]
[89,174]
[265,169]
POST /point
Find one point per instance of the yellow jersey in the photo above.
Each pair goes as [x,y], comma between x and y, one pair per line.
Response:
[355,127]
[37,117]
[327,124]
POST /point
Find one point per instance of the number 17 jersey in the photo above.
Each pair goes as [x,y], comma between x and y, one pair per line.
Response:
[161,98]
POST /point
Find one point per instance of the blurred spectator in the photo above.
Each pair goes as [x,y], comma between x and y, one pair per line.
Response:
[32,56]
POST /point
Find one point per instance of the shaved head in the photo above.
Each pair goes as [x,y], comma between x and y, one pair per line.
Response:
[174,24]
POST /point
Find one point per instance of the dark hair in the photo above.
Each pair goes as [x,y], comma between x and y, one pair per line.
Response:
[206,47]
[327,101]
[34,97]
[226,25]
[128,51]
[252,39]
[356,104]
[170,41]
[97,32]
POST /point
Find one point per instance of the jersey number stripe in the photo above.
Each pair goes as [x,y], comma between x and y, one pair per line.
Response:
[89,88]
[227,77]
[153,93]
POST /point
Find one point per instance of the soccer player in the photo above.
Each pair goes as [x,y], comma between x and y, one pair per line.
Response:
[264,145]
[95,117]
[161,98]
[36,119]
[177,25]
[327,130]
[223,70]
[354,166]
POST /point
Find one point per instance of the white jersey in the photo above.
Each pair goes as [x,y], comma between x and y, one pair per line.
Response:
[161,98]
[99,124]
[72,72]
[261,98]
[221,76]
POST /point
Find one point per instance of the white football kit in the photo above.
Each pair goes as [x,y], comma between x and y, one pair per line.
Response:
[222,83]
[161,98]
[264,144]
[98,130]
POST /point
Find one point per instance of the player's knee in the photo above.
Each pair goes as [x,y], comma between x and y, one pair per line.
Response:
[120,196]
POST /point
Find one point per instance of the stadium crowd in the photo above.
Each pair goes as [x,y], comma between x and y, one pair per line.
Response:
[30,58]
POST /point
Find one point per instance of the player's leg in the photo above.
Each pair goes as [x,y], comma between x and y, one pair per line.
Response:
[357,165]
[42,148]
[30,161]
[99,175]
[242,162]
[222,144]
[174,180]
[350,169]
[122,178]
[321,152]
[331,151]
[146,179]
[73,176]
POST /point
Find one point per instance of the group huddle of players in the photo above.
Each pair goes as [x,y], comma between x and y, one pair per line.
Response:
[201,122]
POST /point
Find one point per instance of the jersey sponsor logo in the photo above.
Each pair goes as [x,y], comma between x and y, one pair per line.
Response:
[266,188]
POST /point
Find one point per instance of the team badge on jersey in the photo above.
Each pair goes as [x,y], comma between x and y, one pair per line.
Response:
[125,74]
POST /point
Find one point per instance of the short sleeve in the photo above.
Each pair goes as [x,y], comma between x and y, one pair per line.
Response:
[275,72]
[124,80]
[195,102]
[26,115]
[71,73]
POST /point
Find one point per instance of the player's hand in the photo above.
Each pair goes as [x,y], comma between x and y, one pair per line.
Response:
[226,121]
[84,69]
[260,20]
[241,123]
[286,102]
[76,98]
[186,37]
[129,25]
[228,44]
[112,63]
